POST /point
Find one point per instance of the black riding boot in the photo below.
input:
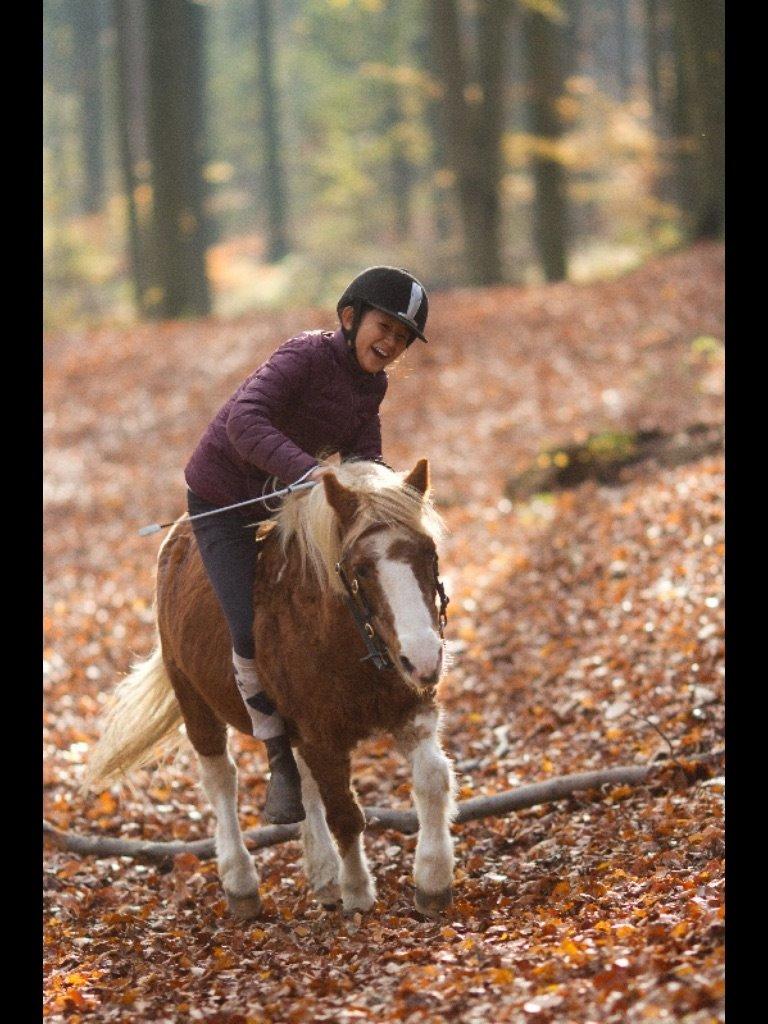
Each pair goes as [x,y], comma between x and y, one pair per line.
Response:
[283,805]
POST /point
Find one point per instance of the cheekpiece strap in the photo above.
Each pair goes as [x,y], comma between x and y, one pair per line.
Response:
[361,614]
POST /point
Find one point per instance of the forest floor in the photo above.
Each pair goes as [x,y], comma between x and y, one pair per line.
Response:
[587,632]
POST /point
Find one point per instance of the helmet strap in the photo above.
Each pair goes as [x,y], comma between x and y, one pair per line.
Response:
[358,307]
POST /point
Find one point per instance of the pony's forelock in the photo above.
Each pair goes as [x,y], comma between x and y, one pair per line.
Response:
[383,498]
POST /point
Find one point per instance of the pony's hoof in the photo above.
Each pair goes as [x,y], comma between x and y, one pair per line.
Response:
[360,908]
[432,904]
[357,903]
[243,908]
[329,896]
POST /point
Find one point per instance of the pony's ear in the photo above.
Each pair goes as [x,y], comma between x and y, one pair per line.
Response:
[418,478]
[343,501]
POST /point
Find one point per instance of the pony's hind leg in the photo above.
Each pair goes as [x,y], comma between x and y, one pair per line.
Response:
[218,777]
[433,794]
[321,858]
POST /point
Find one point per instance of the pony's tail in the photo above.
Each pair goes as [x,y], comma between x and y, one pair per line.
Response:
[141,724]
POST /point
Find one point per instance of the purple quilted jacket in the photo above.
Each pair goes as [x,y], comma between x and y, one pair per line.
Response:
[310,398]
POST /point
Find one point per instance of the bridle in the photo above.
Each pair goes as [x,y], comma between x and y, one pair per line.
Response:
[362,614]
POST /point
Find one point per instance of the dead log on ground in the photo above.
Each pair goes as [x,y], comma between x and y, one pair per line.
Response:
[378,817]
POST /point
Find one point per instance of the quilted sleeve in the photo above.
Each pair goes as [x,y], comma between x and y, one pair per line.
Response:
[263,399]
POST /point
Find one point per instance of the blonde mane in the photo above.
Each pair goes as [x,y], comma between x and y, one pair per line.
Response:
[309,520]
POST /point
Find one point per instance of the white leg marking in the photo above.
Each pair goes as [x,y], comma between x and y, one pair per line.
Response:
[419,641]
[218,777]
[358,889]
[321,858]
[433,794]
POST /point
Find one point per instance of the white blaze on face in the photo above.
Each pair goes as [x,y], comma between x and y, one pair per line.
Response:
[419,641]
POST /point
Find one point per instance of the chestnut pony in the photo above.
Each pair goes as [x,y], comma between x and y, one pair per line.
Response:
[379,528]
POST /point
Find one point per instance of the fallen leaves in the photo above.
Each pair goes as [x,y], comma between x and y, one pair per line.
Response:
[586,630]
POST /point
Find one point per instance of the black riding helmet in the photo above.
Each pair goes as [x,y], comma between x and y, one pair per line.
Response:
[391,290]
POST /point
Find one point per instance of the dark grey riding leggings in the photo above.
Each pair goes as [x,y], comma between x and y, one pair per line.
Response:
[228,549]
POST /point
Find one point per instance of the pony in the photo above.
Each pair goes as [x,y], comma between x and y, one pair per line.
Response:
[344,567]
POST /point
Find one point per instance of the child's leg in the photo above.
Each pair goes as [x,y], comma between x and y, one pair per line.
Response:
[229,554]
[264,718]
[228,550]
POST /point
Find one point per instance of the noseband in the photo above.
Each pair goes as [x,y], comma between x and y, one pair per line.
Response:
[362,615]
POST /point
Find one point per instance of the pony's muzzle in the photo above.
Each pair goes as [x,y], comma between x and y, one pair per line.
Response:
[426,679]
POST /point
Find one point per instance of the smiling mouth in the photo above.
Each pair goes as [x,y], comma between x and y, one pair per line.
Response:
[381,354]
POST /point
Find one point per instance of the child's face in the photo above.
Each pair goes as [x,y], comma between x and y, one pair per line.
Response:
[381,338]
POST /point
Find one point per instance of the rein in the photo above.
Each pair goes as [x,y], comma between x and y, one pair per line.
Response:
[362,614]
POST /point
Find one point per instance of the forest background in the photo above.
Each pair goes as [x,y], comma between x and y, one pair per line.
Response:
[227,155]
[552,170]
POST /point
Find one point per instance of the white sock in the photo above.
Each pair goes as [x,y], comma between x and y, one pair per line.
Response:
[266,723]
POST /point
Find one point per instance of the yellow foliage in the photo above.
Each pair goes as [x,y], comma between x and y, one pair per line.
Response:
[218,172]
[444,178]
[142,195]
[520,147]
[549,9]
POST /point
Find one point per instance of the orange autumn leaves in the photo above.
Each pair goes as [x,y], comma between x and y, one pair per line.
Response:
[568,612]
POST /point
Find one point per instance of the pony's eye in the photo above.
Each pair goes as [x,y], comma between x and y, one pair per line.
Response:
[361,570]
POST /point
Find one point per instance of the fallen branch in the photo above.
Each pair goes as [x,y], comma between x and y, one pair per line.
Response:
[110,846]
[376,817]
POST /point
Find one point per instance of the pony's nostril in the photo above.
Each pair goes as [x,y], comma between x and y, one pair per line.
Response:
[407,665]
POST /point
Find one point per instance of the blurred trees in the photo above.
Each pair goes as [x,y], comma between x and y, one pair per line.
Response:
[269,148]
[701,34]
[472,106]
[133,157]
[277,238]
[544,43]
[175,128]
[86,17]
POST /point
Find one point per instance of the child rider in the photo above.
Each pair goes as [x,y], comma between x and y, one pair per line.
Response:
[318,393]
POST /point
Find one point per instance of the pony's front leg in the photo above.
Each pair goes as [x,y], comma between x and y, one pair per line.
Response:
[433,795]
[346,821]
[321,858]
[218,777]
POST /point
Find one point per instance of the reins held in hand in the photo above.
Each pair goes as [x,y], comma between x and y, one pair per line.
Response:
[145,531]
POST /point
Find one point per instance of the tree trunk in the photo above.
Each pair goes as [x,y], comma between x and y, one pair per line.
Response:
[572,60]
[175,36]
[277,235]
[126,46]
[701,25]
[400,170]
[543,46]
[683,144]
[492,21]
[652,61]
[472,130]
[623,50]
[440,164]
[85,24]
[660,63]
